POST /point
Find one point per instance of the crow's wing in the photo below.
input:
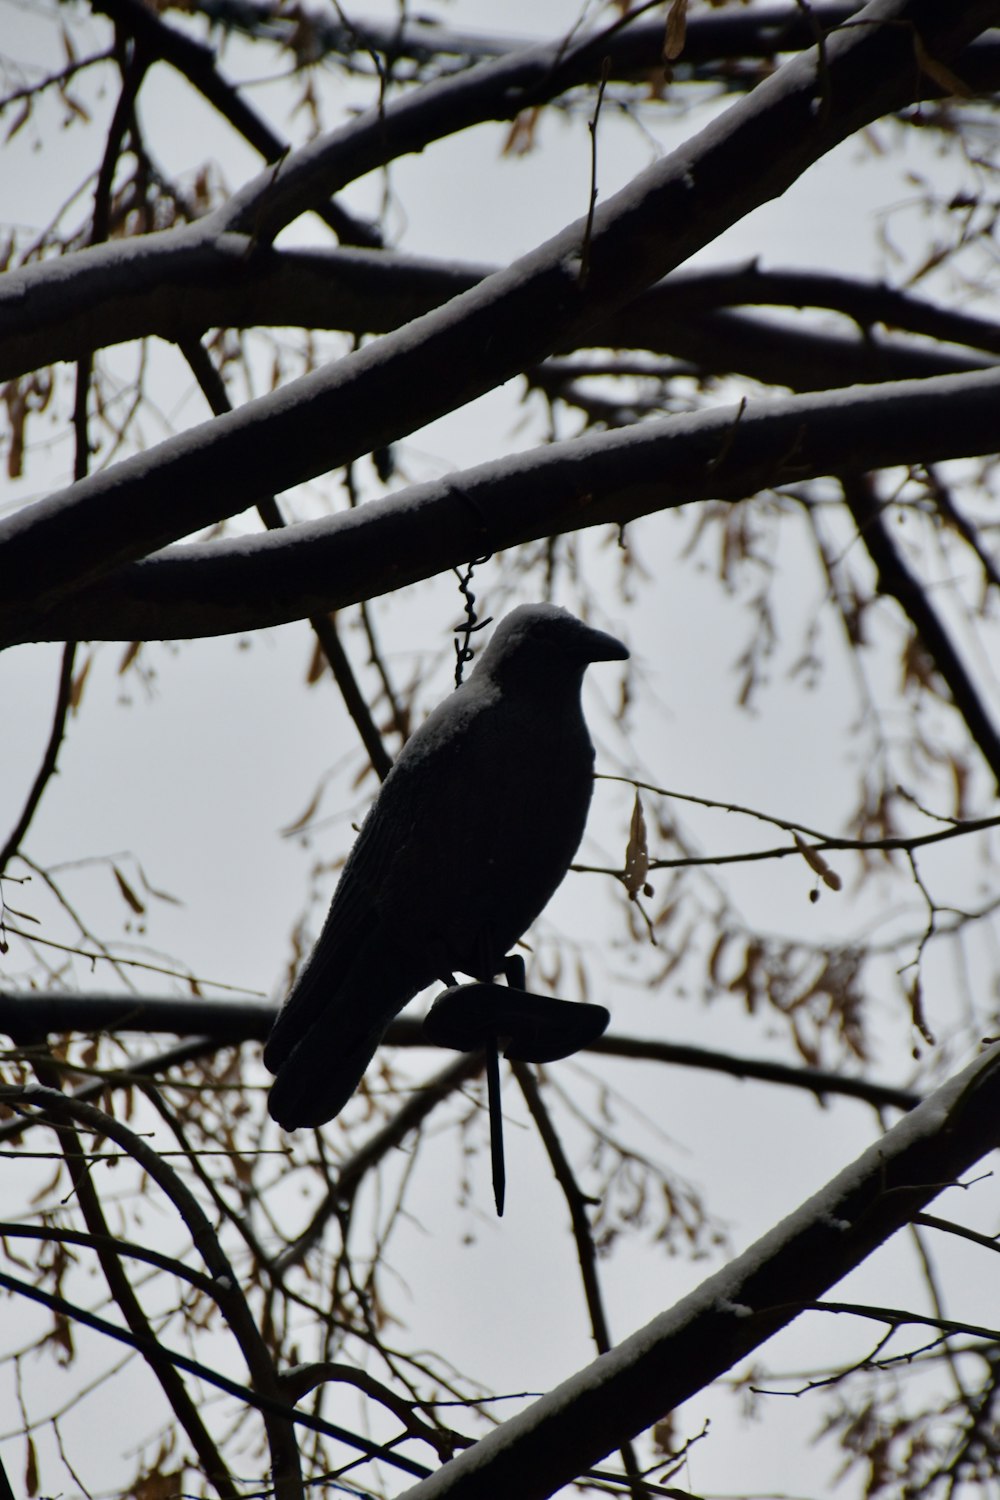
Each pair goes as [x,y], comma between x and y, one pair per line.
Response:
[349,939]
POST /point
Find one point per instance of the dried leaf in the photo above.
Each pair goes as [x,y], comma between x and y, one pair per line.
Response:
[21,118]
[673,42]
[816,862]
[128,656]
[16,402]
[129,894]
[152,890]
[31,1470]
[637,853]
[317,664]
[305,818]
[521,135]
[159,1486]
[942,76]
[62,1337]
[79,683]
[75,107]
[915,996]
[664,1434]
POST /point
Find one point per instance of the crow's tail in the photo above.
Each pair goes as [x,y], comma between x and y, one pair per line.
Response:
[327,1034]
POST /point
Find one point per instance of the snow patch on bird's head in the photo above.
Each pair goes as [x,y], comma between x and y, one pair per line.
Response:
[544,639]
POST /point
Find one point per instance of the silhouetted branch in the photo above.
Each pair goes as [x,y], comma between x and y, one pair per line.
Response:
[224,1022]
[421,1103]
[153,1347]
[821,1082]
[231,586]
[162,1364]
[197,63]
[585,1249]
[180,287]
[301,1379]
[897,581]
[227,1288]
[47,769]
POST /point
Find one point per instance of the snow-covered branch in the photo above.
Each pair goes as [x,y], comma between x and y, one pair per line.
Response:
[178,284]
[488,334]
[229,586]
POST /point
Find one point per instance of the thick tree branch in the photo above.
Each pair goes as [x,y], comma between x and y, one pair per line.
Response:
[870,63]
[737,1309]
[487,335]
[633,46]
[217,1023]
[180,287]
[729,453]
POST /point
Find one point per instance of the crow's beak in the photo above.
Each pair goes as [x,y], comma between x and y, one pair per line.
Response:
[600,646]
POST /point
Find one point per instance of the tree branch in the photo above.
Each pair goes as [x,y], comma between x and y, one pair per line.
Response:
[489,334]
[183,285]
[50,758]
[225,1022]
[412,1114]
[737,1309]
[586,1250]
[161,1362]
[258,1401]
[219,587]
[324,627]
[896,580]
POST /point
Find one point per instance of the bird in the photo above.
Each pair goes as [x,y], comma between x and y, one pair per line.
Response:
[470,834]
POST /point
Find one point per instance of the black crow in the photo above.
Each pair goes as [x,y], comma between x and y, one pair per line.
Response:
[472,831]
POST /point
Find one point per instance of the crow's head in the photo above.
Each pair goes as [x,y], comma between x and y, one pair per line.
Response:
[542,642]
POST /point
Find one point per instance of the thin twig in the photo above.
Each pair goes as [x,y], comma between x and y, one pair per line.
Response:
[163,1365]
[47,769]
[592,205]
[585,1248]
[323,626]
[413,1113]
